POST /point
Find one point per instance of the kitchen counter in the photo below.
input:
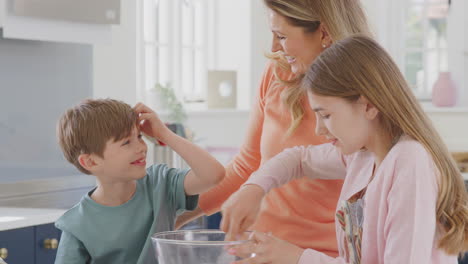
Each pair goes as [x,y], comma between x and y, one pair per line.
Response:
[14,217]
[56,191]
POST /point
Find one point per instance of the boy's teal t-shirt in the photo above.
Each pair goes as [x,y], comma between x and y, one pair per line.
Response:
[94,233]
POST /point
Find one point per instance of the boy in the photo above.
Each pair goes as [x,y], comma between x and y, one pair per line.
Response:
[114,222]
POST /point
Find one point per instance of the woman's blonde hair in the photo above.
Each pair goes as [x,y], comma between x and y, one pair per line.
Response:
[341,17]
[358,66]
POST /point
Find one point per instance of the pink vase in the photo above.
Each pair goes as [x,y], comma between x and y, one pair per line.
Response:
[444,92]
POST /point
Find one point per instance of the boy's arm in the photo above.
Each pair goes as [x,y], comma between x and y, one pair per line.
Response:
[71,250]
[206,170]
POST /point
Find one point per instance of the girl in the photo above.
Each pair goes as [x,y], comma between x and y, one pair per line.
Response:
[403,199]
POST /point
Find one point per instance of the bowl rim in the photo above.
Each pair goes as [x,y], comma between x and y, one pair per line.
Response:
[156,237]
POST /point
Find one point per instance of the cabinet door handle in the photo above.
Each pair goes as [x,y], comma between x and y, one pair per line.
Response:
[50,243]
[3,253]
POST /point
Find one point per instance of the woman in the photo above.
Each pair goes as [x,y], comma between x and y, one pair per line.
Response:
[281,118]
[403,200]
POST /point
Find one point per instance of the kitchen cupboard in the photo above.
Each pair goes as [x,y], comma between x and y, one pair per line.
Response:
[34,245]
[83,11]
[85,22]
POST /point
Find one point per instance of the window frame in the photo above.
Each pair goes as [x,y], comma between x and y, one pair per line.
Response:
[175,47]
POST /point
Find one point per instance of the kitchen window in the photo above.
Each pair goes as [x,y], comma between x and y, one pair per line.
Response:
[175,41]
[425,48]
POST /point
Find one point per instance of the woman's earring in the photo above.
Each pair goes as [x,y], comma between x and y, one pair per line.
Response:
[324,45]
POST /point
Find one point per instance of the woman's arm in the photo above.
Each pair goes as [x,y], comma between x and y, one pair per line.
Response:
[249,157]
[244,163]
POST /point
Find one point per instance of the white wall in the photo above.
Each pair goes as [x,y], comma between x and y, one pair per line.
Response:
[260,44]
[115,65]
[452,126]
[458,47]
[219,129]
[243,37]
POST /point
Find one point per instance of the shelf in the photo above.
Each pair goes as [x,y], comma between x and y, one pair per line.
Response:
[429,108]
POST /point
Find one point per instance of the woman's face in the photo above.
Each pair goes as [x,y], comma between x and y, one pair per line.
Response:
[347,125]
[299,47]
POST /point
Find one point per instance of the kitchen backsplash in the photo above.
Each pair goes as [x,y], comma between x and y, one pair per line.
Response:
[39,80]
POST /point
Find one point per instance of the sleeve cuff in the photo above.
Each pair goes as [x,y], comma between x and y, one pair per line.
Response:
[188,202]
[262,182]
[312,256]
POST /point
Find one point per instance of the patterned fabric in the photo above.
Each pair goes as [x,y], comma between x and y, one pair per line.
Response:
[350,217]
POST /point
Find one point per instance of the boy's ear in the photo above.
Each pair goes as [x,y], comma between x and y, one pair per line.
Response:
[87,161]
[371,111]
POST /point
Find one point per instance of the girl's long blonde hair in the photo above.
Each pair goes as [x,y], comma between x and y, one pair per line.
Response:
[341,17]
[358,66]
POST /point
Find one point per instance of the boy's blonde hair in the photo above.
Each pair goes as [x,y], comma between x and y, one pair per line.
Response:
[342,19]
[87,127]
[358,66]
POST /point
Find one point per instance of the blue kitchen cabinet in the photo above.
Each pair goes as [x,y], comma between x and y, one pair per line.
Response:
[18,244]
[30,245]
[46,243]
[463,259]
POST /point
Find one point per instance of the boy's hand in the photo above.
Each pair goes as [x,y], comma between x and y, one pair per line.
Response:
[241,210]
[150,124]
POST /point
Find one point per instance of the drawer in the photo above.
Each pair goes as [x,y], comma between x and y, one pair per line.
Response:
[46,243]
[20,245]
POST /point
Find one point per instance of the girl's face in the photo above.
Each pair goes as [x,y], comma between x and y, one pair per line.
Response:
[299,47]
[349,126]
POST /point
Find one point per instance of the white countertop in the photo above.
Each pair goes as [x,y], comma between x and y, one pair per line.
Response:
[12,217]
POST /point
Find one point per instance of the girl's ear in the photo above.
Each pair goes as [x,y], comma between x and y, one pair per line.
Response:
[87,161]
[325,35]
[371,111]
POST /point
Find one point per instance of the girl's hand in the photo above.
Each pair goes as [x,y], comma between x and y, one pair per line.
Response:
[268,249]
[241,210]
[150,124]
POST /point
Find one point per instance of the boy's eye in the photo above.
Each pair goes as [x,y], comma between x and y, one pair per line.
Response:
[140,136]
[325,116]
[126,142]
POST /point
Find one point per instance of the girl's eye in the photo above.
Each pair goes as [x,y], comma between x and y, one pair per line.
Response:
[140,136]
[280,38]
[325,116]
[126,143]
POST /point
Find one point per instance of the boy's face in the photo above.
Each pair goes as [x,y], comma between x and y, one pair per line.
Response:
[122,160]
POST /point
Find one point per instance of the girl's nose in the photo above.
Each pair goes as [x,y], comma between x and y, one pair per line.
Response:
[320,128]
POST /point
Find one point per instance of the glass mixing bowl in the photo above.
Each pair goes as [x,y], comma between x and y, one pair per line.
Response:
[196,247]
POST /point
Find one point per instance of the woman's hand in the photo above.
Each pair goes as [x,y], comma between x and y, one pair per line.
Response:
[241,210]
[150,124]
[268,249]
